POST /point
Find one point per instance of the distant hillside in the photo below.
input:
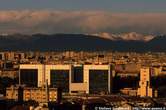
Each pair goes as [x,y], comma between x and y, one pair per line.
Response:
[157,44]
[77,42]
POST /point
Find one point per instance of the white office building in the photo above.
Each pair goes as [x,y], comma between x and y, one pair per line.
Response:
[90,79]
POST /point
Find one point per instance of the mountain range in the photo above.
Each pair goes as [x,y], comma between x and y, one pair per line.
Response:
[83,42]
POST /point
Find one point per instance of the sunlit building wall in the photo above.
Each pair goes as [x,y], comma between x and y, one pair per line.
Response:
[145,90]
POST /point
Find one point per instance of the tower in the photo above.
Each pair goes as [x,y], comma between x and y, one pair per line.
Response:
[144,89]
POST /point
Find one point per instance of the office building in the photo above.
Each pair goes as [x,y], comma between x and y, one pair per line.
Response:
[90,79]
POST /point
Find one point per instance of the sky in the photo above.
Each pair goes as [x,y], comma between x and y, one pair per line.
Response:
[109,5]
[82,16]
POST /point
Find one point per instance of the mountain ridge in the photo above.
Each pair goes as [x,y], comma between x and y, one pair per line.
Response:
[77,42]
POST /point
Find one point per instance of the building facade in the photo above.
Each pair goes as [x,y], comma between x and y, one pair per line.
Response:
[92,79]
[40,95]
[145,90]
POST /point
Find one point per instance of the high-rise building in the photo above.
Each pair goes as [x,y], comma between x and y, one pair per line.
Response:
[145,90]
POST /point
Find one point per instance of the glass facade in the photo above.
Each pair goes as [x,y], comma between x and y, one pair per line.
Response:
[60,79]
[77,74]
[29,77]
[98,81]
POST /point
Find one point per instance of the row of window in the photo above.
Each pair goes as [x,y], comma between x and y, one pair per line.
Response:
[60,78]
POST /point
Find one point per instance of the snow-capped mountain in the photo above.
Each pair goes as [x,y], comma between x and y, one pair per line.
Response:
[133,36]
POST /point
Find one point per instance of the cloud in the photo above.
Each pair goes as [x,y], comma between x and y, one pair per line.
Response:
[45,21]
